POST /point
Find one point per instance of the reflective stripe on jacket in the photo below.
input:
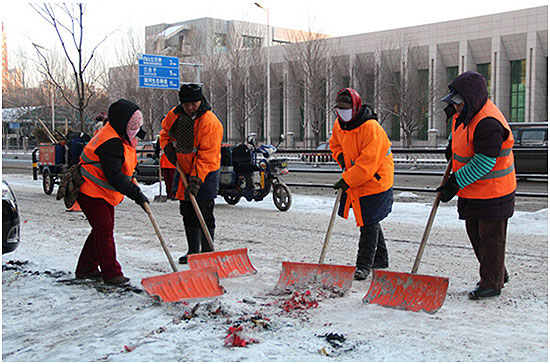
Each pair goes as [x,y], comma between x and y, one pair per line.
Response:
[501,180]
[207,143]
[368,161]
[95,183]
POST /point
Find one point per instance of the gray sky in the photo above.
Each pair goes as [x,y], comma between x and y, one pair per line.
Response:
[338,18]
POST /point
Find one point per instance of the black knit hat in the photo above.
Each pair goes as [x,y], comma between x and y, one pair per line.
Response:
[190,92]
[120,113]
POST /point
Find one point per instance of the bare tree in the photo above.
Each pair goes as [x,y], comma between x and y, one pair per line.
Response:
[403,87]
[67,19]
[308,65]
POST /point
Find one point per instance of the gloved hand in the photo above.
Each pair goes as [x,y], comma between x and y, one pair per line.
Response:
[170,152]
[448,151]
[193,185]
[341,184]
[449,189]
[341,161]
[141,200]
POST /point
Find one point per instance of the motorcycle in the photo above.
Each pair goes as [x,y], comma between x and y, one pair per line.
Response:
[250,172]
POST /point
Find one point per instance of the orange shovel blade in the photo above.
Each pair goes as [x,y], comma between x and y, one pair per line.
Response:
[307,275]
[406,291]
[182,285]
[228,263]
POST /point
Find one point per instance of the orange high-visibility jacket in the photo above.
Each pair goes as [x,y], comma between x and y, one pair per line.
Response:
[95,183]
[368,161]
[206,155]
[165,163]
[501,180]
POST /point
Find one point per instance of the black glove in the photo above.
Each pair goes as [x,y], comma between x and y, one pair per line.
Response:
[341,161]
[448,151]
[449,189]
[141,200]
[170,152]
[193,185]
[341,184]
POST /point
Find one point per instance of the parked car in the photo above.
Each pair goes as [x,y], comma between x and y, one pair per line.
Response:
[319,156]
[530,147]
[147,169]
[10,219]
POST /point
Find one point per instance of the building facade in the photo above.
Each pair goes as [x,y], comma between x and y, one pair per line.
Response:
[402,73]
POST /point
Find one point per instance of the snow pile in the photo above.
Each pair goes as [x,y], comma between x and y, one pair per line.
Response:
[47,316]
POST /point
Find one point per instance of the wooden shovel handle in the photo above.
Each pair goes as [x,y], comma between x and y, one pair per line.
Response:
[330,225]
[196,207]
[430,221]
[162,242]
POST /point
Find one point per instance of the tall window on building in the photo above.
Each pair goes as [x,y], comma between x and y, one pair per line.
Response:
[251,42]
[220,43]
[517,90]
[423,83]
[452,72]
[346,81]
[485,70]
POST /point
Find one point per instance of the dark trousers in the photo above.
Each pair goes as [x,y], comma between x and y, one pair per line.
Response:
[488,238]
[372,253]
[196,240]
[99,249]
[168,176]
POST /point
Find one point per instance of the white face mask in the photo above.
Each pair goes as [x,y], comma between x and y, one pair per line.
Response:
[345,114]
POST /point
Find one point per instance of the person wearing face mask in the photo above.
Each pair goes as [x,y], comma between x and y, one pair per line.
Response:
[108,162]
[483,176]
[362,149]
[191,136]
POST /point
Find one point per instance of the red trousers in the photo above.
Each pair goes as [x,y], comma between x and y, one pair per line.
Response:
[168,175]
[99,249]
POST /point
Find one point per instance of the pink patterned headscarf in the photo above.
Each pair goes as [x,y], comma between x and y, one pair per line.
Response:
[135,122]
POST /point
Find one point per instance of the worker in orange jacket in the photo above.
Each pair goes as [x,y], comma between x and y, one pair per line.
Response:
[361,147]
[483,178]
[108,162]
[191,136]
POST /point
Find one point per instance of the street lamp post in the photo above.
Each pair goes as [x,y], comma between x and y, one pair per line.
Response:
[268,94]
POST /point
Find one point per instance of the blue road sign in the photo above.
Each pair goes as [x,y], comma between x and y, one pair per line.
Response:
[159,72]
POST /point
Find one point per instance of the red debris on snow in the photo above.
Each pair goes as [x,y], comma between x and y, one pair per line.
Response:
[129,348]
[235,337]
[300,301]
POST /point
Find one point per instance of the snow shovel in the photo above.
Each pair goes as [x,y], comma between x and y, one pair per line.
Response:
[304,275]
[411,291]
[160,197]
[177,286]
[228,263]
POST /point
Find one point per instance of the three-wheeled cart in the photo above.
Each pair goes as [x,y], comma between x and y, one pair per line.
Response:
[50,163]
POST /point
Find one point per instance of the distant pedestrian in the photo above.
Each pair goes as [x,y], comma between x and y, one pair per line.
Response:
[483,177]
[108,163]
[361,147]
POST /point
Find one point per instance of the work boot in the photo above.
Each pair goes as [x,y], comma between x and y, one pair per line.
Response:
[205,247]
[361,274]
[194,237]
[96,276]
[116,281]
[482,292]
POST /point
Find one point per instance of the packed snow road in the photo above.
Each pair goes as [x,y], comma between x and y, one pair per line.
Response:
[46,317]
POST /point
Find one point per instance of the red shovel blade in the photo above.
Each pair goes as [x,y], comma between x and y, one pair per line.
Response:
[182,285]
[228,263]
[406,291]
[307,275]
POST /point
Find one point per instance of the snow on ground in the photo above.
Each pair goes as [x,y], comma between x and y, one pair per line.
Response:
[44,318]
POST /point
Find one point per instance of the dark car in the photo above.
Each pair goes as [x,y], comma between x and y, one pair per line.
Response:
[10,219]
[530,147]
[147,169]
